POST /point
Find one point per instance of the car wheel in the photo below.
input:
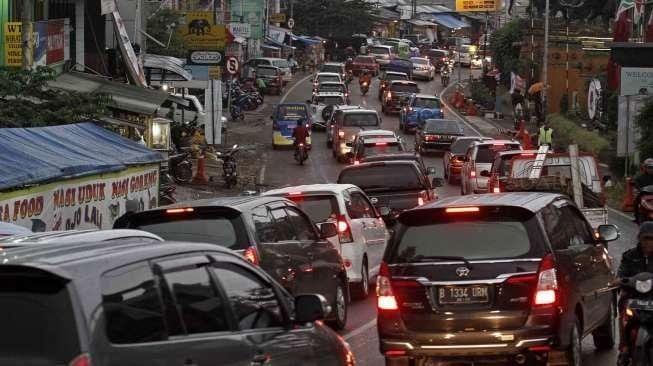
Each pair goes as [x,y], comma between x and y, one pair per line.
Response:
[362,290]
[339,309]
[604,336]
[575,349]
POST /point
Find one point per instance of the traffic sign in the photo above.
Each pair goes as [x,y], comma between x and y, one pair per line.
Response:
[232,65]
[291,23]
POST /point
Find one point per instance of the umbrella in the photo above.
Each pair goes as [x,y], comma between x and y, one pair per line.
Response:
[536,88]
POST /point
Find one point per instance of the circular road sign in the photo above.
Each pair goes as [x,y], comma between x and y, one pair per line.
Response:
[232,65]
[291,23]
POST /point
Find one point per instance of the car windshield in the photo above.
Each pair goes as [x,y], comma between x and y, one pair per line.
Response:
[442,126]
[426,103]
[318,208]
[460,146]
[390,177]
[281,63]
[360,120]
[364,60]
[404,88]
[487,153]
[329,100]
[266,71]
[323,78]
[291,112]
[383,148]
[331,68]
[224,229]
[380,50]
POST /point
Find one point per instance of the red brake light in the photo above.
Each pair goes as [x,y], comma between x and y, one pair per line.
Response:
[498,144]
[179,210]
[341,133]
[397,352]
[250,255]
[547,282]
[344,230]
[385,298]
[527,155]
[461,209]
[356,162]
[81,360]
[295,193]
[420,201]
[472,174]
[496,190]
[387,303]
[381,144]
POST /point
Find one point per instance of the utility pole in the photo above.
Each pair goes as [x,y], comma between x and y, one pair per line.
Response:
[27,17]
[545,65]
[138,35]
[292,14]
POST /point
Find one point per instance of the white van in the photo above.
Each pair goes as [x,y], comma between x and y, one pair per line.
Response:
[382,53]
[284,65]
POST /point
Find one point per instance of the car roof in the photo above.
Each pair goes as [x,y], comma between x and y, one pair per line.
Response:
[327,74]
[332,83]
[517,152]
[330,94]
[12,229]
[389,163]
[238,203]
[396,73]
[377,133]
[392,157]
[419,58]
[347,107]
[532,201]
[442,120]
[382,45]
[93,235]
[474,138]
[404,82]
[359,110]
[495,142]
[310,188]
[426,96]
[333,64]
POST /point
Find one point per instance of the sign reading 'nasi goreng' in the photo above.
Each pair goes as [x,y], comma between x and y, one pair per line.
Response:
[93,202]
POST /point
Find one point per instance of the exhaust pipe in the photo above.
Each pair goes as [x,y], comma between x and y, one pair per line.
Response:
[520,359]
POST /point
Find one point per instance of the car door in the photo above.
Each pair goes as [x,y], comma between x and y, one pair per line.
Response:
[376,233]
[466,171]
[262,316]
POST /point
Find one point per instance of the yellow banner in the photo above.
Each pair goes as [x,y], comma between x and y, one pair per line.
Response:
[201,33]
[477,5]
[278,18]
[13,44]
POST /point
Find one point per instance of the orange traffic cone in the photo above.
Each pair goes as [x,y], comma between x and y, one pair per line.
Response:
[523,135]
[200,176]
[628,204]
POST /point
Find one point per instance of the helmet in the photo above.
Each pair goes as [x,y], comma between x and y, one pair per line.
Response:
[647,163]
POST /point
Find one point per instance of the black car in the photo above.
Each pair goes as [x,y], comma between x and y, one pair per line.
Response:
[386,77]
[437,134]
[129,302]
[271,232]
[409,156]
[514,279]
[397,94]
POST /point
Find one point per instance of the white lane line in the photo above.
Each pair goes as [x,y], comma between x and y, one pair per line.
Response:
[261,176]
[293,88]
[452,110]
[361,329]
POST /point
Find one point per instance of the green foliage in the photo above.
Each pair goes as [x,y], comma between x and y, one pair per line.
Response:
[480,93]
[336,19]
[564,104]
[506,54]
[643,122]
[160,27]
[26,100]
[567,132]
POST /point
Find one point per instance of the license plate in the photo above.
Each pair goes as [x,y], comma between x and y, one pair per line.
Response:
[641,304]
[463,295]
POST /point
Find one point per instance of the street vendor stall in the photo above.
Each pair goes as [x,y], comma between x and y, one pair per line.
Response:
[73,176]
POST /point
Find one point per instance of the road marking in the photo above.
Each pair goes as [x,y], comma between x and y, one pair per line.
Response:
[261,176]
[619,213]
[293,88]
[452,110]
[359,330]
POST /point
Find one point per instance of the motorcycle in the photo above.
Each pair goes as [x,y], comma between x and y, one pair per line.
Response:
[365,87]
[181,168]
[639,318]
[645,207]
[301,153]
[229,166]
[236,113]
[444,78]
[166,195]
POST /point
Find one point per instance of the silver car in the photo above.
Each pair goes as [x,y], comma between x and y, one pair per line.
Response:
[478,160]
[422,68]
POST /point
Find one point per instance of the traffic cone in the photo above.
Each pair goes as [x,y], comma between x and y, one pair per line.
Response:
[200,176]
[524,136]
[628,204]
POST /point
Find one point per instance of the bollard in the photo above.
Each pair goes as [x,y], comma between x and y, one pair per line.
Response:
[201,177]
[628,204]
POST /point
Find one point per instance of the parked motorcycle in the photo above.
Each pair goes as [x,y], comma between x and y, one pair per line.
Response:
[639,318]
[166,195]
[181,168]
[229,166]
[236,113]
[301,153]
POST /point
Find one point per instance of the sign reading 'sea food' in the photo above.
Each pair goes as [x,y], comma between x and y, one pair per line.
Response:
[92,202]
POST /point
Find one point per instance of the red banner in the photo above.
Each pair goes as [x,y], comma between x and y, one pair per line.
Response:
[55,41]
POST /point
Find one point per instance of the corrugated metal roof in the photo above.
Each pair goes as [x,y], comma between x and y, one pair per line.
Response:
[421,23]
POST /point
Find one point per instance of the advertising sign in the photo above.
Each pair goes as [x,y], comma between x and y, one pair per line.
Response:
[201,33]
[206,57]
[41,43]
[13,44]
[278,18]
[477,5]
[250,11]
[243,30]
[55,41]
[636,80]
[93,202]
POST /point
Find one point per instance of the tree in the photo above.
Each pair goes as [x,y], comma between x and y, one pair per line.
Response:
[643,122]
[505,47]
[163,26]
[26,100]
[336,19]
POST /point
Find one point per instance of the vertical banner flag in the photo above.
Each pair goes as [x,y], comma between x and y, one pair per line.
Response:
[13,44]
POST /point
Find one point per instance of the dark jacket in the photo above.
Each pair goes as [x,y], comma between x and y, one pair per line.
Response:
[633,262]
[643,180]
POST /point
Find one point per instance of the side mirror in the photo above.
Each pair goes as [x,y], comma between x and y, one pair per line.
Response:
[608,233]
[485,173]
[438,182]
[384,211]
[430,170]
[328,229]
[309,308]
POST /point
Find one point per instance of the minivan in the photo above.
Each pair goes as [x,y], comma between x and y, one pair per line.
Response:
[347,123]
[382,53]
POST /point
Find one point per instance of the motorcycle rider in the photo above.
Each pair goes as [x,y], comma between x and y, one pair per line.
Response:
[633,261]
[300,134]
[645,178]
[365,77]
[445,70]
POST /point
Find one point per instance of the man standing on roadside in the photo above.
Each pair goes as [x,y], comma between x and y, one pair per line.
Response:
[545,137]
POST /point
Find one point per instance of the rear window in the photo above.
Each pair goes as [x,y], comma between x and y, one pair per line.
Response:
[396,77]
[222,228]
[331,68]
[460,146]
[364,60]
[427,103]
[442,127]
[291,112]
[404,88]
[380,50]
[332,88]
[487,153]
[323,78]
[318,208]
[382,148]
[420,61]
[281,63]
[437,53]
[360,120]
[330,100]
[37,320]
[266,71]
[382,177]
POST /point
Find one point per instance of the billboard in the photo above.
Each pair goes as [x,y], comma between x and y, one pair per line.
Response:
[55,46]
[92,202]
[249,11]
[201,33]
[636,80]
[13,44]
[477,5]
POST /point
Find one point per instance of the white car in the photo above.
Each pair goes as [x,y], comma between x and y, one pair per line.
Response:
[362,235]
[423,68]
[283,64]
[375,142]
[319,105]
[475,174]
[321,77]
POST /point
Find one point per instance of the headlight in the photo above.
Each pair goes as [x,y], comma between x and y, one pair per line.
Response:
[643,286]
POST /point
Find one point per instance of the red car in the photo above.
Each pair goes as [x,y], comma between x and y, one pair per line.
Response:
[364,63]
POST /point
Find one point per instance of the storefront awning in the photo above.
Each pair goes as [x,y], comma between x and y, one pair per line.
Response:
[173,66]
[421,23]
[449,21]
[304,40]
[125,97]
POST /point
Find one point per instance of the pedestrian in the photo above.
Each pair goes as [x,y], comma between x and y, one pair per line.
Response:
[545,136]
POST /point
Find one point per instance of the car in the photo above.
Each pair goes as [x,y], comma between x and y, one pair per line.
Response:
[505,279]
[271,232]
[127,302]
[478,158]
[322,106]
[7,229]
[334,67]
[79,236]
[333,86]
[375,142]
[191,110]
[397,94]
[454,157]
[400,65]
[400,48]
[386,77]
[331,121]
[347,123]
[281,63]
[438,57]
[502,167]
[362,235]
[437,134]
[464,55]
[284,120]
[393,186]
[422,68]
[363,62]
[321,77]
[273,78]
[419,108]
[382,54]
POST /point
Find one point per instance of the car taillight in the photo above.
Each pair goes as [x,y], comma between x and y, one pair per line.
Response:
[431,138]
[356,162]
[250,255]
[344,230]
[472,174]
[496,190]
[179,210]
[381,144]
[462,209]
[420,201]
[385,298]
[341,133]
[81,360]
[547,282]
[389,95]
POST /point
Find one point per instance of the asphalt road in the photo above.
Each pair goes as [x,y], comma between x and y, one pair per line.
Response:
[282,170]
